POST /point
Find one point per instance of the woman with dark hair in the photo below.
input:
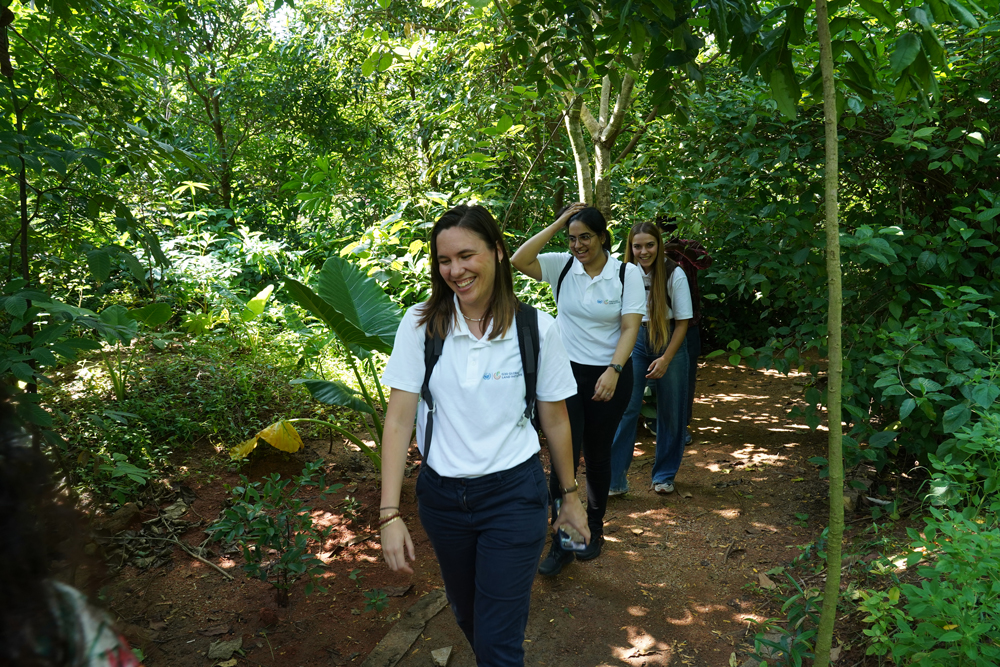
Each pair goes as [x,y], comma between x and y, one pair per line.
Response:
[601,303]
[481,492]
[43,622]
[660,357]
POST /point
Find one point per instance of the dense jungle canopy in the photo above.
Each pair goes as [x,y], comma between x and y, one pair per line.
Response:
[174,172]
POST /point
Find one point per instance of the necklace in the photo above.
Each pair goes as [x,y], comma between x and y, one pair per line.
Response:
[472,319]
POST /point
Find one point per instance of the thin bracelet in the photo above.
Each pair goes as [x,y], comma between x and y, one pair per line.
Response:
[389,517]
[388,507]
[393,519]
[570,489]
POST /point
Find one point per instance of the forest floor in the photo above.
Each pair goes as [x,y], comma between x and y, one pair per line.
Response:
[678,582]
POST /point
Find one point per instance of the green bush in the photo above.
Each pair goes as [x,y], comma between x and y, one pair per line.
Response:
[268,516]
[952,617]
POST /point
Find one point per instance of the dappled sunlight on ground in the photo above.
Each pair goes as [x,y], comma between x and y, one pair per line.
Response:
[643,646]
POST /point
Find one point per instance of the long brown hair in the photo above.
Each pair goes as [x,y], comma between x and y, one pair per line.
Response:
[659,327]
[439,312]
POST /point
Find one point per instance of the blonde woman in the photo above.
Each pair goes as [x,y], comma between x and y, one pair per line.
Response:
[660,358]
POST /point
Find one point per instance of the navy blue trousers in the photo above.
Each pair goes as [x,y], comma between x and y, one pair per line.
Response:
[488,533]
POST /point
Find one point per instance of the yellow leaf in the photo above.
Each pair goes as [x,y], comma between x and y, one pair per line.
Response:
[243,450]
[282,435]
[950,627]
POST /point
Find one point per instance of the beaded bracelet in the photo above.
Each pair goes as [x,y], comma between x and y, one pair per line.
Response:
[395,517]
[386,519]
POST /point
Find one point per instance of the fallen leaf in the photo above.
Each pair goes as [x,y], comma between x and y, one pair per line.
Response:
[835,653]
[441,656]
[687,494]
[214,630]
[753,531]
[397,591]
[637,531]
[158,626]
[221,650]
[228,663]
[765,581]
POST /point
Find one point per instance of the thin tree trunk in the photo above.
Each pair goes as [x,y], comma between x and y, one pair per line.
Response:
[831,593]
[580,157]
[25,226]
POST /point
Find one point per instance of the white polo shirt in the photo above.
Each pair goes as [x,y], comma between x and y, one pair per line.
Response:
[679,292]
[591,309]
[478,389]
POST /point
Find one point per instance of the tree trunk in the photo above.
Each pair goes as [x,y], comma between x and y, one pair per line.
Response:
[580,157]
[602,185]
[831,593]
[225,167]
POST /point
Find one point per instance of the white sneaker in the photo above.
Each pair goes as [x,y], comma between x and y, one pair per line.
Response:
[664,487]
[612,492]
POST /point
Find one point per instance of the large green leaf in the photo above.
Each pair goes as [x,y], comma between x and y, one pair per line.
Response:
[120,327]
[785,90]
[152,315]
[255,306]
[336,393]
[351,304]
[907,48]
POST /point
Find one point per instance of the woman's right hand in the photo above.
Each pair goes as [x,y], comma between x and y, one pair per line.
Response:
[396,544]
[563,220]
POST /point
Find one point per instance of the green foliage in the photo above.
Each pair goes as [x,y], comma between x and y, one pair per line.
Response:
[967,467]
[376,600]
[364,320]
[268,515]
[953,615]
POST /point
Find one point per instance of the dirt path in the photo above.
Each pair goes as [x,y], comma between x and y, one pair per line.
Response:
[671,586]
[674,585]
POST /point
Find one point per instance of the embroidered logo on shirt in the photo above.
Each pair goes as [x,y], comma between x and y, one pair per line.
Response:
[609,302]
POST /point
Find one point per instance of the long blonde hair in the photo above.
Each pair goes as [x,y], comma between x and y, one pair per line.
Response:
[656,308]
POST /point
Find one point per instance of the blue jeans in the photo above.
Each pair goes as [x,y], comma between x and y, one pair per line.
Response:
[671,412]
[488,533]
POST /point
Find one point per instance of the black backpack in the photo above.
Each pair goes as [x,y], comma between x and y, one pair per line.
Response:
[526,325]
[621,277]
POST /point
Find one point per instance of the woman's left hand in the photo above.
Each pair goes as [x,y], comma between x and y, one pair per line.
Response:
[604,390]
[573,514]
[658,368]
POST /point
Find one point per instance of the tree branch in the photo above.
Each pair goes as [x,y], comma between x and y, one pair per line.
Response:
[555,129]
[638,135]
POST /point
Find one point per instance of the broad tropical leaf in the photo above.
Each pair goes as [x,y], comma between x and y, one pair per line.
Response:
[255,307]
[280,435]
[152,315]
[336,393]
[351,304]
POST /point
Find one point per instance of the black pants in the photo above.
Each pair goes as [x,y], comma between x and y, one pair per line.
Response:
[594,424]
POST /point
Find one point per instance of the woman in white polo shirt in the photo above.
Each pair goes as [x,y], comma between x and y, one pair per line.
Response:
[601,303]
[660,358]
[481,491]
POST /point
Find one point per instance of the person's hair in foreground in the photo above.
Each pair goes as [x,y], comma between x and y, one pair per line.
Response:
[32,523]
[439,313]
[659,328]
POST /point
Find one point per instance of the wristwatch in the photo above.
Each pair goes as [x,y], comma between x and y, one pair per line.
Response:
[617,367]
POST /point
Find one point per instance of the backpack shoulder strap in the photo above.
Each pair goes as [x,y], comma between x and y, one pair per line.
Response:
[526,323]
[669,267]
[561,276]
[621,277]
[433,347]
